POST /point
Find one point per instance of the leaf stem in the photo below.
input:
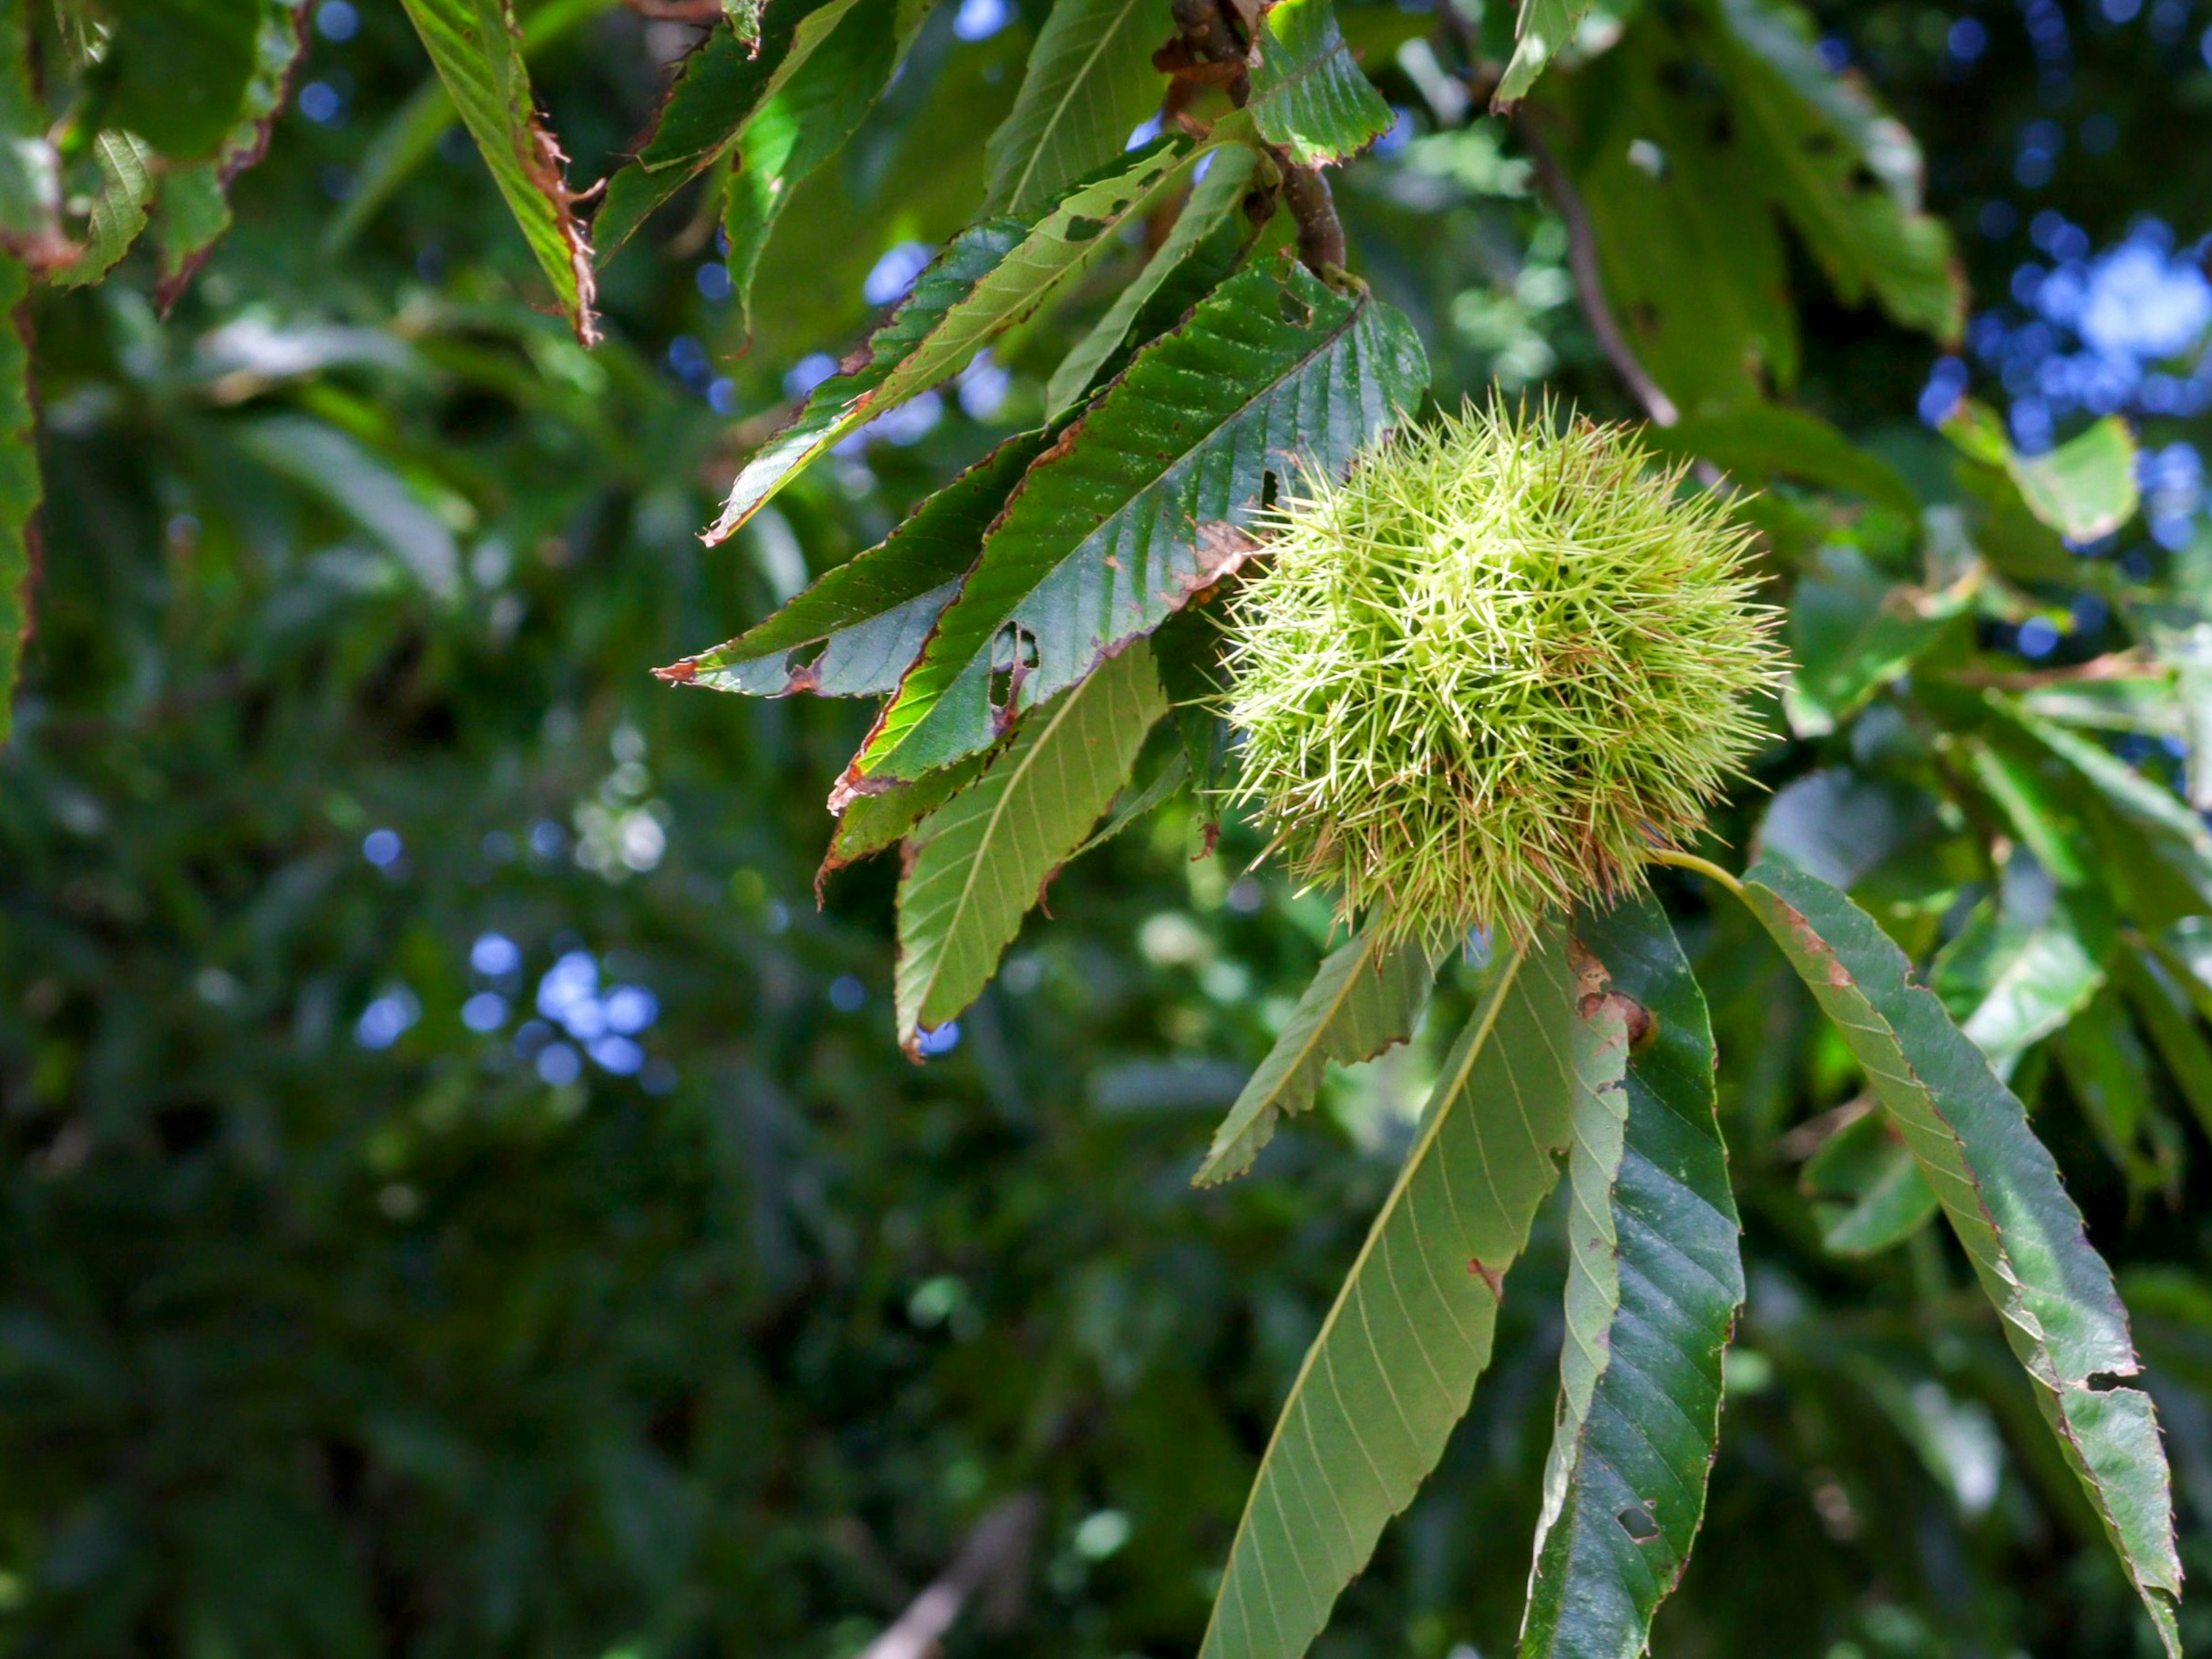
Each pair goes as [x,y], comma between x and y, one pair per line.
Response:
[1321,233]
[1705,867]
[1590,281]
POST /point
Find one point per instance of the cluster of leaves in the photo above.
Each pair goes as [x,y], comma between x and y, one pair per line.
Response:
[1037,629]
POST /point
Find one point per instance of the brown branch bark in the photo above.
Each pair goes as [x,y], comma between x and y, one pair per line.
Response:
[993,1562]
[1590,281]
[1321,233]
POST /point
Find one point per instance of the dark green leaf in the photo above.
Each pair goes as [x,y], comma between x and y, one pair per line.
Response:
[1364,997]
[802,126]
[995,273]
[2025,963]
[409,137]
[1195,242]
[2164,1008]
[1846,174]
[982,860]
[1767,440]
[1867,1188]
[2109,1075]
[2001,1190]
[19,485]
[1853,631]
[717,92]
[1088,85]
[1395,1363]
[870,615]
[1654,1280]
[192,208]
[1308,95]
[478,51]
[870,824]
[30,173]
[178,70]
[1143,501]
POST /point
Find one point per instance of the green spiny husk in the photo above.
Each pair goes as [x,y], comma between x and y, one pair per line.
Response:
[1493,670]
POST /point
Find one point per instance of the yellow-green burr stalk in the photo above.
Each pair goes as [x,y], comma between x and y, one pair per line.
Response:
[1494,669]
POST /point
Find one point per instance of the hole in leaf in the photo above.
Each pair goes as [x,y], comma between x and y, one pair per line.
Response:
[1081,229]
[1863,179]
[1636,1521]
[1295,311]
[2104,1381]
[1270,488]
[1013,654]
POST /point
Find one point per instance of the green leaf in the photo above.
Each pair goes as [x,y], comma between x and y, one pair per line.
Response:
[870,824]
[118,210]
[870,615]
[1194,242]
[178,70]
[1394,1365]
[1143,501]
[801,127]
[1847,174]
[717,90]
[20,488]
[1654,1281]
[2084,489]
[1308,94]
[2024,965]
[192,207]
[30,173]
[409,138]
[2158,851]
[983,859]
[1692,257]
[2001,1190]
[1766,441]
[1853,631]
[1365,996]
[995,274]
[1088,85]
[1543,28]
[1868,1190]
[2109,1075]
[478,51]
[2164,1009]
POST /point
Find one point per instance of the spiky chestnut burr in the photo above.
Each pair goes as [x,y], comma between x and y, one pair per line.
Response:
[1494,670]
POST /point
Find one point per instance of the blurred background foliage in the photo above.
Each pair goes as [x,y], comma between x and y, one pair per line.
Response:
[462,1197]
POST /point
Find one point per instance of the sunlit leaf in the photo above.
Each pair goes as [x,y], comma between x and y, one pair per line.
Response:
[1395,1363]
[1197,245]
[1089,84]
[979,863]
[995,274]
[1543,28]
[1364,997]
[718,91]
[1143,501]
[1654,1280]
[477,49]
[870,615]
[1308,94]
[2001,1190]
